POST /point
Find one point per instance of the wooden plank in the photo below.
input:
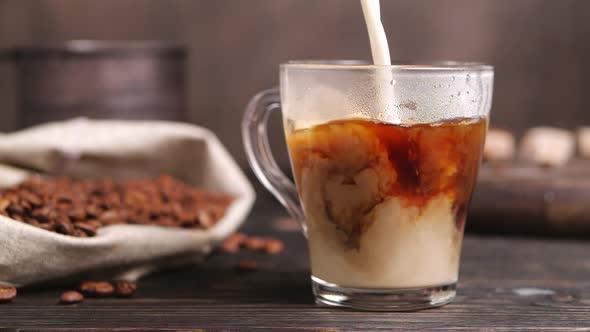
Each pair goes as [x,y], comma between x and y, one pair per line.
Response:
[278,296]
[527,199]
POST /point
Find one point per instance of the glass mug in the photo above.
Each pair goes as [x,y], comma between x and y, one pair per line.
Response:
[385,160]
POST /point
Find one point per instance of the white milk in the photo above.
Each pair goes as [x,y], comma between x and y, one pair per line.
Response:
[380,53]
[377,37]
[404,248]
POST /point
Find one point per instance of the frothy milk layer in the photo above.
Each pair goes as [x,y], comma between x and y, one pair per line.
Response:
[404,247]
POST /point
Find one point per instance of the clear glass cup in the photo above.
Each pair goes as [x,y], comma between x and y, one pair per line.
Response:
[385,159]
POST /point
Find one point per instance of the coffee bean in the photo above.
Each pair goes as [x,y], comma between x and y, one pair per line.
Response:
[108,217]
[168,222]
[273,246]
[230,247]
[32,221]
[64,227]
[176,209]
[255,243]
[63,199]
[71,297]
[246,265]
[17,216]
[125,288]
[97,288]
[46,226]
[42,215]
[31,198]
[79,233]
[4,203]
[238,237]
[186,218]
[12,198]
[93,223]
[217,211]
[77,213]
[25,205]
[87,286]
[7,294]
[86,227]
[188,223]
[232,243]
[205,219]
[104,289]
[14,208]
[93,211]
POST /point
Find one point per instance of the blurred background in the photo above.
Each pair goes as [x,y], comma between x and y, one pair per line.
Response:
[540,48]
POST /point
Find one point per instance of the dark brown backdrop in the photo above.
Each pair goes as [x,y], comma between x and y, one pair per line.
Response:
[540,48]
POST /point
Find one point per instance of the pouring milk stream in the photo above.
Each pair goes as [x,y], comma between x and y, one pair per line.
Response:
[377,38]
[379,50]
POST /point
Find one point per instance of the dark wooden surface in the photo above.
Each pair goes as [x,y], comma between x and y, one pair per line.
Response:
[213,297]
[528,199]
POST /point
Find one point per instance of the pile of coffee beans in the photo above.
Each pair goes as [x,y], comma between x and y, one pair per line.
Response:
[79,208]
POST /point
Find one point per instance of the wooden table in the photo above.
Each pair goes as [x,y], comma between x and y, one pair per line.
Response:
[507,284]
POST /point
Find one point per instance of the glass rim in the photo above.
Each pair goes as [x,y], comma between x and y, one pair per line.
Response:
[396,65]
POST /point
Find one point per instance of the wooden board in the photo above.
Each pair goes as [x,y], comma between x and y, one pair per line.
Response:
[212,297]
[533,200]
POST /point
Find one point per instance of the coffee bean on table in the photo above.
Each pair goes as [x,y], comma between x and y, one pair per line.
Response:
[104,289]
[232,244]
[273,246]
[97,288]
[125,288]
[230,247]
[71,297]
[87,287]
[254,243]
[7,294]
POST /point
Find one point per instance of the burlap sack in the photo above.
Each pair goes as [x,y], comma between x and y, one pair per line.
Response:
[121,149]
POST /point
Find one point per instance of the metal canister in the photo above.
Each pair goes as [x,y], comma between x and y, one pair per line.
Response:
[98,79]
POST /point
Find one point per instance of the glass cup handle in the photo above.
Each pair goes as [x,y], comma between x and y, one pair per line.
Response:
[259,154]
